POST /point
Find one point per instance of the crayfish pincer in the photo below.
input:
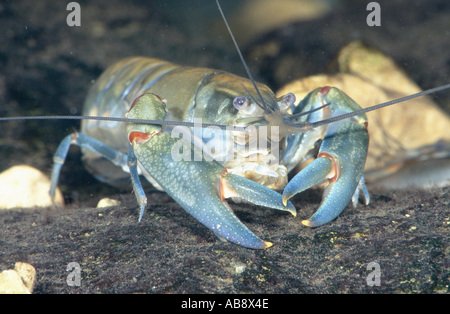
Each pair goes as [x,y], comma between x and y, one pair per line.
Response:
[200,187]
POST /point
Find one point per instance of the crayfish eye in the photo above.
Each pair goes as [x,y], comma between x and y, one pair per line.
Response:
[240,102]
[289,99]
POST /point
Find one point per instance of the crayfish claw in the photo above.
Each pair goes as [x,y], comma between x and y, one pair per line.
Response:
[313,174]
[192,184]
[345,180]
[340,161]
[236,186]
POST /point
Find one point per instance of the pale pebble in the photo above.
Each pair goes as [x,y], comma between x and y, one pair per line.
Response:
[107,202]
[23,186]
[19,280]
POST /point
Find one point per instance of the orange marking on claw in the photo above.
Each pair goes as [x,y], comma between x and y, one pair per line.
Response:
[324,90]
[334,175]
[220,186]
[138,137]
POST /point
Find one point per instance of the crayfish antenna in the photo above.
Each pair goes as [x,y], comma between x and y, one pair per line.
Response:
[263,104]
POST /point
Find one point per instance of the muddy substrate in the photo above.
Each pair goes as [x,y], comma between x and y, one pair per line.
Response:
[406,234]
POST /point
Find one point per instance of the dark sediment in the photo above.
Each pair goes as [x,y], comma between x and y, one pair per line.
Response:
[47,68]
